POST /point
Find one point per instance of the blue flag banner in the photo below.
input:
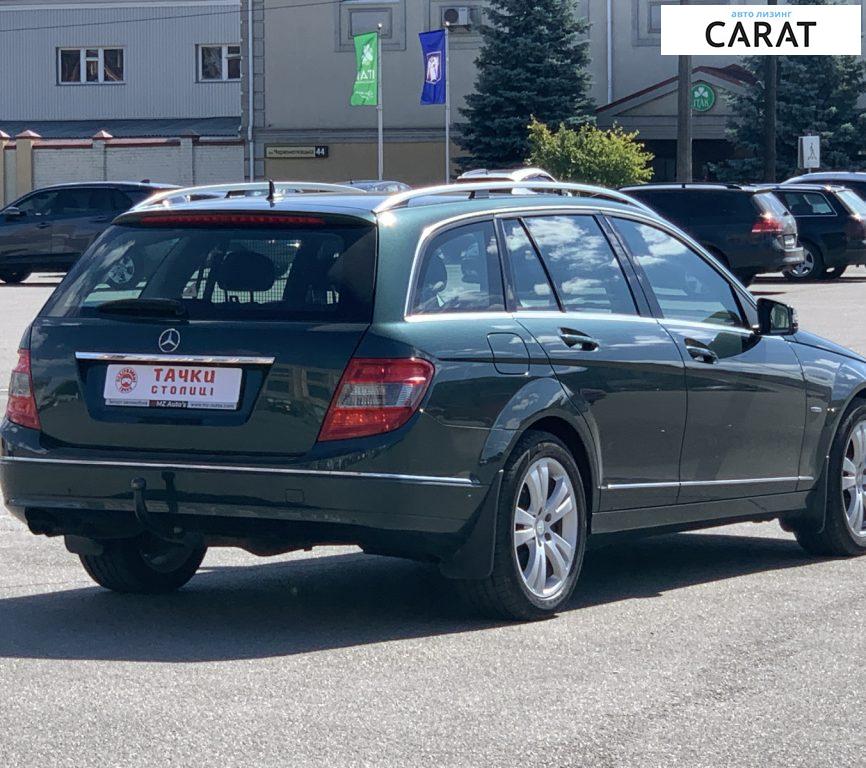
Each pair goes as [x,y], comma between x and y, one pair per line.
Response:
[433,51]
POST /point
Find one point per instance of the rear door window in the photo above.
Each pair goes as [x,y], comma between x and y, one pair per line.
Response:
[672,204]
[806,203]
[224,273]
[460,272]
[585,272]
[74,201]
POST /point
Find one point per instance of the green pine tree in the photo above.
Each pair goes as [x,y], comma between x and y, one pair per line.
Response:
[533,62]
[816,94]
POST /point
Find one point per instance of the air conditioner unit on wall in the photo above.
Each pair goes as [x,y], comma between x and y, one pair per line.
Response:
[457,15]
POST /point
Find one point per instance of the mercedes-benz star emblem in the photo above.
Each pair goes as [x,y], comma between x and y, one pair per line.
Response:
[169,340]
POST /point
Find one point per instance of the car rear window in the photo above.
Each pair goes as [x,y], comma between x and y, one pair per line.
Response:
[226,273]
[769,203]
[852,201]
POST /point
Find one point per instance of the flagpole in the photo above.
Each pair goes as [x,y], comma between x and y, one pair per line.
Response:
[447,107]
[379,104]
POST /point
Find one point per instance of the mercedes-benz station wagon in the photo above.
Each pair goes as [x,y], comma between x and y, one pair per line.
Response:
[467,376]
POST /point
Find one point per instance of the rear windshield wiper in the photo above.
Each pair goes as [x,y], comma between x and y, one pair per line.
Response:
[144,307]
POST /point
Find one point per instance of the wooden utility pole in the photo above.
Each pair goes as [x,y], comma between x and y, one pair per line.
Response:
[771,86]
[684,116]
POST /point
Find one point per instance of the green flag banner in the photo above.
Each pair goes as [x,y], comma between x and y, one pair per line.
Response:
[365,92]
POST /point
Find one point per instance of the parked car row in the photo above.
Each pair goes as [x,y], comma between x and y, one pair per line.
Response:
[481,380]
[811,227]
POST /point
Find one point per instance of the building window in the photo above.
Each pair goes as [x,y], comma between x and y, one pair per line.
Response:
[90,65]
[356,17]
[219,62]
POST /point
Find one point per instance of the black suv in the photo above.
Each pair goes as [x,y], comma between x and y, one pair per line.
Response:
[831,221]
[746,227]
[47,230]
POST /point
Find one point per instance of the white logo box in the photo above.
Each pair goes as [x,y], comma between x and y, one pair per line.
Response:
[749,30]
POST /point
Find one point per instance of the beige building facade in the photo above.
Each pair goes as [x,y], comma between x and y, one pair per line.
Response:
[302,69]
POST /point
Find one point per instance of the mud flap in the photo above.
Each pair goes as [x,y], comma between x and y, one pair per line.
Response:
[474,559]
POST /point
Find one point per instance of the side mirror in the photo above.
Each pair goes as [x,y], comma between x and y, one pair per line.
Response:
[776,319]
[11,213]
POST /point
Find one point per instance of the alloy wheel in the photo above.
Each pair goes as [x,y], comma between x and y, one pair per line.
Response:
[806,267]
[545,527]
[854,480]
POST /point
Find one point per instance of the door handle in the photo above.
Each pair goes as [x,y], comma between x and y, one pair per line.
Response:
[43,225]
[700,352]
[573,338]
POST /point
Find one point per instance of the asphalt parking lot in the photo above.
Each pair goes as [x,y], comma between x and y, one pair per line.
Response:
[721,648]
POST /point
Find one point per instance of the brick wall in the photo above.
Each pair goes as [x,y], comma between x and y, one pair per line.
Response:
[185,161]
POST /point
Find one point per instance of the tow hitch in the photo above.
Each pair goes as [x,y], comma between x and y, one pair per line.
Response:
[174,534]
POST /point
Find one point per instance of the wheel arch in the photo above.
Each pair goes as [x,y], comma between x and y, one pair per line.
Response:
[565,431]
[817,502]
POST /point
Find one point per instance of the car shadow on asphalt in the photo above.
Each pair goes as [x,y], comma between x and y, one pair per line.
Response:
[291,607]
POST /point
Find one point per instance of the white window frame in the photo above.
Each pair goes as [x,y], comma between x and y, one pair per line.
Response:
[82,64]
[225,63]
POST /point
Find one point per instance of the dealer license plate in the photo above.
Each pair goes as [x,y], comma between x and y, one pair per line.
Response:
[172,386]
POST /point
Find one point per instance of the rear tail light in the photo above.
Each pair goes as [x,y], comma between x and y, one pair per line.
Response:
[376,396]
[21,407]
[766,223]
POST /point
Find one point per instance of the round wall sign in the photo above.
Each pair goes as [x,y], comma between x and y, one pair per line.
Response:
[703,97]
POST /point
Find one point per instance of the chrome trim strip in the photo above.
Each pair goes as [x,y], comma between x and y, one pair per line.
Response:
[147,357]
[420,479]
[697,483]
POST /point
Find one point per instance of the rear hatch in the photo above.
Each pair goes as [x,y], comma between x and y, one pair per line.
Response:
[775,220]
[212,333]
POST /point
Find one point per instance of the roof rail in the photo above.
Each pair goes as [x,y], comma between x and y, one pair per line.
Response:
[555,187]
[242,188]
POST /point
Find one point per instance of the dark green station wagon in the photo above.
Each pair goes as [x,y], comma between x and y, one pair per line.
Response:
[476,376]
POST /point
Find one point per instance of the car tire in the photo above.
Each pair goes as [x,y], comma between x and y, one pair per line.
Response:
[540,539]
[143,565]
[13,278]
[812,267]
[846,490]
[834,273]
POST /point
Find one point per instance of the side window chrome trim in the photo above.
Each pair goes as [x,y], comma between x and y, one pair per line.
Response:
[488,214]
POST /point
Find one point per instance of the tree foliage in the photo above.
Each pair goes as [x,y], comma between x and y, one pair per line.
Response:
[612,158]
[533,61]
[816,94]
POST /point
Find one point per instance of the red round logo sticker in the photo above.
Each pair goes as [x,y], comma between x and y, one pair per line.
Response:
[125,380]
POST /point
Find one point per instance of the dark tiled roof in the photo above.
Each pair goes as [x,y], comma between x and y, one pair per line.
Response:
[85,129]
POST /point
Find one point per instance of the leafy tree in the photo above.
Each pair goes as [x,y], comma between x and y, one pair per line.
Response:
[533,61]
[590,155]
[816,94]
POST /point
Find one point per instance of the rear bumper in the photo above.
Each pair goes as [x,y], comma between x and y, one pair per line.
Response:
[379,501]
[769,256]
